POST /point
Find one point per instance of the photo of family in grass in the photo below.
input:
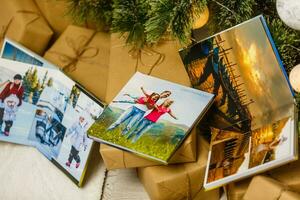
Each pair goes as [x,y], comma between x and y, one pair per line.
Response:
[150,116]
[134,115]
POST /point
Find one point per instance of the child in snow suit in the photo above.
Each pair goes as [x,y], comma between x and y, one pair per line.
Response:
[78,140]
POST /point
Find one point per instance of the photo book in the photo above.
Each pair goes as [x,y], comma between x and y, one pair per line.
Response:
[41,107]
[253,120]
[150,117]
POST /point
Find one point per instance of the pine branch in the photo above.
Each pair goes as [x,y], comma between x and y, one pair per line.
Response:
[96,11]
[287,42]
[129,17]
[228,13]
[175,16]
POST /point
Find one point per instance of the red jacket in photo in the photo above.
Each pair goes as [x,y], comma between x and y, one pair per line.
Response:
[12,88]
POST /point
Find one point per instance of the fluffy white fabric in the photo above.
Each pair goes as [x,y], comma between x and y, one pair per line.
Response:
[27,174]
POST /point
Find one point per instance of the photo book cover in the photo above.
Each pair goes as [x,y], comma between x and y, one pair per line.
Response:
[253,121]
[150,116]
[42,107]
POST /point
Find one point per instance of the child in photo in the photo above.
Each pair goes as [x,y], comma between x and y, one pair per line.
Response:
[10,110]
[146,123]
[10,99]
[78,140]
[136,112]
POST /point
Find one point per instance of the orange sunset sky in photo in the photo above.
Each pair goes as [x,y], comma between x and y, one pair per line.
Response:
[261,74]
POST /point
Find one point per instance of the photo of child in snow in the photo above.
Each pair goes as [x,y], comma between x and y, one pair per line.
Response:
[20,88]
[79,139]
[80,113]
[59,128]
[150,116]
[10,99]
[42,107]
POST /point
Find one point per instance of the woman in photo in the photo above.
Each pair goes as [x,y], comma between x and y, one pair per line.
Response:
[270,146]
[147,122]
[78,140]
[135,113]
[13,91]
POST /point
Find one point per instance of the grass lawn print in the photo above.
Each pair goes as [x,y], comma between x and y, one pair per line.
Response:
[150,116]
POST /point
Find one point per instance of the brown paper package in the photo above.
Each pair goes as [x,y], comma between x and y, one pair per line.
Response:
[22,22]
[84,55]
[266,188]
[288,174]
[122,65]
[237,190]
[55,12]
[117,159]
[179,181]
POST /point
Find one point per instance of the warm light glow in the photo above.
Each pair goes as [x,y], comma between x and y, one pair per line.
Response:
[295,78]
[202,19]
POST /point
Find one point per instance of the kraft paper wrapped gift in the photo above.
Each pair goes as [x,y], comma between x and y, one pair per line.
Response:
[124,62]
[117,159]
[288,174]
[266,188]
[236,190]
[22,21]
[179,181]
[55,12]
[83,54]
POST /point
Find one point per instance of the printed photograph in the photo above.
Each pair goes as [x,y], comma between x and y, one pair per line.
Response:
[47,129]
[42,107]
[15,52]
[21,87]
[59,128]
[150,116]
[253,98]
[269,143]
[80,114]
[240,67]
[232,154]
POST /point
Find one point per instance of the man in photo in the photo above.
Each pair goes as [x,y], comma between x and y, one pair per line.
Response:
[10,99]
[78,140]
[135,113]
[149,120]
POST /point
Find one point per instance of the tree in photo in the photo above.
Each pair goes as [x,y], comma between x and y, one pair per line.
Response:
[34,86]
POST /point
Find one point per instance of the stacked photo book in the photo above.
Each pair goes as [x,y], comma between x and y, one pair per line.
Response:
[240,97]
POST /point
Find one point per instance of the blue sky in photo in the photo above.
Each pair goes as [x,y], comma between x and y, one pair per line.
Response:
[188,103]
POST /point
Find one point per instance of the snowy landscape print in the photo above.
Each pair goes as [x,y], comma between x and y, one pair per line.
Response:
[54,114]
[33,81]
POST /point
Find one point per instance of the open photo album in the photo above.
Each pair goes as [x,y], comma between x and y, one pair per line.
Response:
[41,107]
[150,117]
[253,121]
